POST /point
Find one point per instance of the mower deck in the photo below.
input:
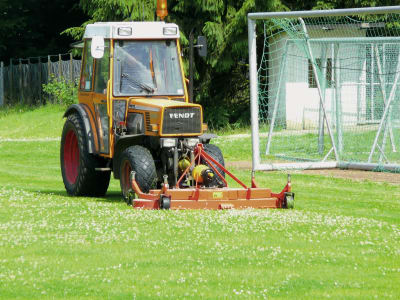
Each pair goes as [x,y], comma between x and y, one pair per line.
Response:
[210,198]
[220,198]
[199,197]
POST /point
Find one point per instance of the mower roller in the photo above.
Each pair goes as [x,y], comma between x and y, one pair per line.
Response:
[135,119]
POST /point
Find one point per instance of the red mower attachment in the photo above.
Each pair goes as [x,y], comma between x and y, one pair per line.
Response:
[202,186]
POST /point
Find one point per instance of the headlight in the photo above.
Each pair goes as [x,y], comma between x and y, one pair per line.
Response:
[124,31]
[168,143]
[192,142]
[170,31]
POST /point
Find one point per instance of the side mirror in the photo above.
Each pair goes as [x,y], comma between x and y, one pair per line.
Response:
[202,45]
[97,48]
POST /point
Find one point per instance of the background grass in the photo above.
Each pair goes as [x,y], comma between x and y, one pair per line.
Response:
[342,240]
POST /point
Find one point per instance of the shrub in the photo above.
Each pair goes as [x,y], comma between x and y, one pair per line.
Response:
[61,91]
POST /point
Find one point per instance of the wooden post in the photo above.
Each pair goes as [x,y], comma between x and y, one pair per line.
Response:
[48,68]
[40,79]
[10,67]
[59,67]
[20,81]
[48,75]
[1,84]
[29,83]
[71,68]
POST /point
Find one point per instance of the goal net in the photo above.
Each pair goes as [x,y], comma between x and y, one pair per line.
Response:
[325,89]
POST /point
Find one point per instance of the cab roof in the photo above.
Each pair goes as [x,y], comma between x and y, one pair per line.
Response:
[132,30]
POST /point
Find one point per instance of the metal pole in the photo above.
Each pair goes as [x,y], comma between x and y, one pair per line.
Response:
[333,98]
[388,125]
[338,99]
[319,87]
[369,166]
[191,69]
[321,114]
[1,84]
[254,93]
[391,97]
[276,103]
[361,89]
[326,12]
[372,83]
[351,40]
[299,165]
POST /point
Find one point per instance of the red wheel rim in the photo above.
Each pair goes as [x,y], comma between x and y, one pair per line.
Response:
[71,157]
[126,174]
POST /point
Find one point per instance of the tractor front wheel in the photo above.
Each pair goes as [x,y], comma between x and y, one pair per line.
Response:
[78,166]
[216,154]
[139,160]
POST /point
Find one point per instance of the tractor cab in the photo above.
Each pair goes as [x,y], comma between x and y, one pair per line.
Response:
[132,80]
[143,57]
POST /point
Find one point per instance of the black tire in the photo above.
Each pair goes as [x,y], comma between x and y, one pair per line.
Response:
[78,165]
[215,153]
[140,160]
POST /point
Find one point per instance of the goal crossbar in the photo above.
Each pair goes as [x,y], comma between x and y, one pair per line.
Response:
[323,13]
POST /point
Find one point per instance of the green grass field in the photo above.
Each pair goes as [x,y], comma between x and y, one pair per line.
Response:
[342,241]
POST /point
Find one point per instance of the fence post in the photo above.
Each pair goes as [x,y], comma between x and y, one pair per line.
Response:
[20,81]
[59,67]
[1,84]
[40,79]
[30,97]
[48,69]
[11,81]
[71,69]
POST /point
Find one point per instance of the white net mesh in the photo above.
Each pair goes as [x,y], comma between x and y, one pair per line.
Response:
[330,74]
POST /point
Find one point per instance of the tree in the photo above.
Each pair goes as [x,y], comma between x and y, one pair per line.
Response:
[221,82]
[32,27]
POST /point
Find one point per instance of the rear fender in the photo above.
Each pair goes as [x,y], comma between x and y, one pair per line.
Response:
[88,121]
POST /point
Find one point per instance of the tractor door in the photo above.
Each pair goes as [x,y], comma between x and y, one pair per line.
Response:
[101,76]
[86,83]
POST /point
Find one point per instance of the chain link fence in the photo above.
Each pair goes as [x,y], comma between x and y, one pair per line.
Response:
[21,82]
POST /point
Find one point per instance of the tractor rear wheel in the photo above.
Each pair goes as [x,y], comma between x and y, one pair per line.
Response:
[139,160]
[78,166]
[215,153]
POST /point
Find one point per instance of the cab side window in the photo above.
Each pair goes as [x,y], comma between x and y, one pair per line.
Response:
[87,70]
[102,70]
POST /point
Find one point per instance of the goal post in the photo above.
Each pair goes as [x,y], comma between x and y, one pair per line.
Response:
[324,91]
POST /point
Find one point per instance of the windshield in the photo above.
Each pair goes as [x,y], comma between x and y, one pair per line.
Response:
[147,68]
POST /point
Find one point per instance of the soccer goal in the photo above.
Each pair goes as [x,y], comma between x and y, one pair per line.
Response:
[324,88]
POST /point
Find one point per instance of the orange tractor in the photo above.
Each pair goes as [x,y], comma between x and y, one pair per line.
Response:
[134,119]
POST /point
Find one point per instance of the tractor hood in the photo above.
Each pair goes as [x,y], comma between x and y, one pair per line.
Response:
[169,117]
[157,104]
